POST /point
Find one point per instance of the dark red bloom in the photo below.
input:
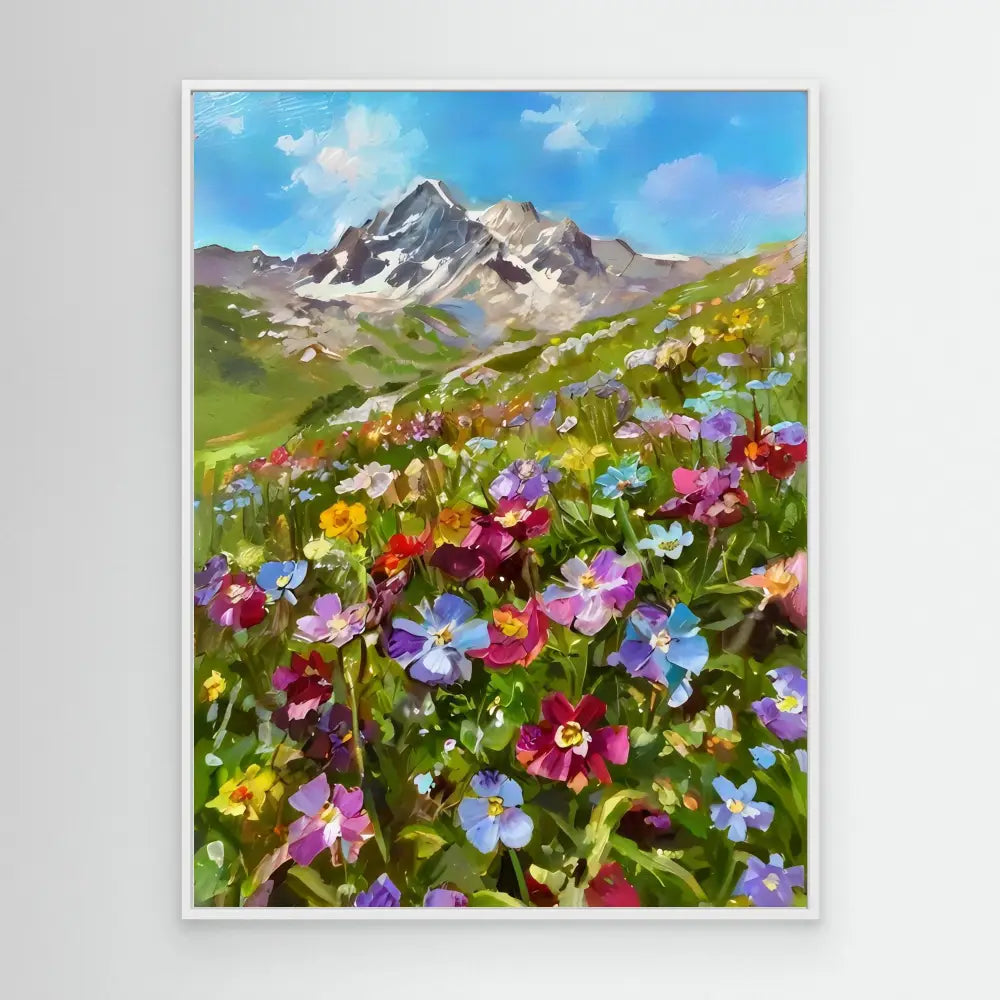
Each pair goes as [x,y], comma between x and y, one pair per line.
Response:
[238,603]
[711,496]
[306,683]
[516,636]
[398,553]
[563,747]
[609,887]
[481,554]
[279,456]
[520,520]
[761,448]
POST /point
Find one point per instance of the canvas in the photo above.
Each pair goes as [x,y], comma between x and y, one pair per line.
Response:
[496,500]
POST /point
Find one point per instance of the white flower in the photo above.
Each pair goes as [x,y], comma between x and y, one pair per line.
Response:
[567,425]
[697,335]
[373,478]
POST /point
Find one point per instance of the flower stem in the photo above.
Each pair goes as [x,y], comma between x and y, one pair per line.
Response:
[631,542]
[519,874]
[359,757]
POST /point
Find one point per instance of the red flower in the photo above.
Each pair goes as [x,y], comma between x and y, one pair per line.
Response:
[520,520]
[563,748]
[760,449]
[279,456]
[516,637]
[306,683]
[239,602]
[481,554]
[398,553]
[609,887]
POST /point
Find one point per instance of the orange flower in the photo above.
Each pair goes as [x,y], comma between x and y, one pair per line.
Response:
[453,523]
[344,520]
[784,581]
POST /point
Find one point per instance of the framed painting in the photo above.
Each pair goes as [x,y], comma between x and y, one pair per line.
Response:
[499,499]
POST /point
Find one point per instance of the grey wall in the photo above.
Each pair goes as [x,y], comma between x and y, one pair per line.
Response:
[89,738]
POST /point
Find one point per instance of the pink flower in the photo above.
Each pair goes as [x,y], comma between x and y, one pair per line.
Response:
[516,637]
[592,594]
[239,602]
[711,496]
[609,887]
[331,819]
[564,747]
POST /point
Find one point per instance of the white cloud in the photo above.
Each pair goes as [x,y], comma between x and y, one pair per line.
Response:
[231,123]
[575,114]
[689,205]
[353,168]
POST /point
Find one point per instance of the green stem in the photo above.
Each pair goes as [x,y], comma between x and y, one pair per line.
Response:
[359,757]
[631,542]
[519,874]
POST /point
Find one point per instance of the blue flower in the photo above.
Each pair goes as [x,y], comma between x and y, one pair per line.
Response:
[773,380]
[495,813]
[477,445]
[737,810]
[764,756]
[435,650]
[279,579]
[629,477]
[662,646]
[770,884]
[667,544]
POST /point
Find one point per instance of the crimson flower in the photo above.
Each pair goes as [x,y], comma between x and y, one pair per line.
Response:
[482,552]
[563,747]
[609,887]
[779,451]
[520,519]
[238,603]
[306,683]
[711,496]
[516,636]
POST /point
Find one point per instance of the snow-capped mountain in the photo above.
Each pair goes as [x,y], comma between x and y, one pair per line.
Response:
[509,261]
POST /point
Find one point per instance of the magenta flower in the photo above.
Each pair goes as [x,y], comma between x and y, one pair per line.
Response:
[592,594]
[711,496]
[333,819]
[238,603]
[331,622]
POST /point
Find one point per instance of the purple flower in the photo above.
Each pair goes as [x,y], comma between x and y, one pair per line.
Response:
[333,819]
[436,650]
[445,897]
[786,715]
[737,810]
[527,478]
[721,426]
[496,814]
[770,884]
[331,622]
[381,893]
[592,594]
[545,410]
[208,581]
[789,433]
[662,646]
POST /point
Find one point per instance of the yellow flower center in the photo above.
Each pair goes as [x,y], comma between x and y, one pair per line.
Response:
[512,518]
[237,592]
[337,623]
[788,704]
[735,806]
[328,813]
[669,544]
[772,882]
[588,580]
[283,581]
[495,807]
[443,636]
[661,641]
[569,735]
[509,625]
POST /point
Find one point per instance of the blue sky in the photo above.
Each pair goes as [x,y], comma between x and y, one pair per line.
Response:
[684,172]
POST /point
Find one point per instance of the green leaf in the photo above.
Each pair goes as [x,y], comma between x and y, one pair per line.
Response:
[656,862]
[308,882]
[491,897]
[427,840]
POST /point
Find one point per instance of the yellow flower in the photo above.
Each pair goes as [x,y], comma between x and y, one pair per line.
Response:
[344,520]
[213,686]
[316,548]
[741,320]
[453,523]
[671,353]
[579,460]
[244,794]
[762,270]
